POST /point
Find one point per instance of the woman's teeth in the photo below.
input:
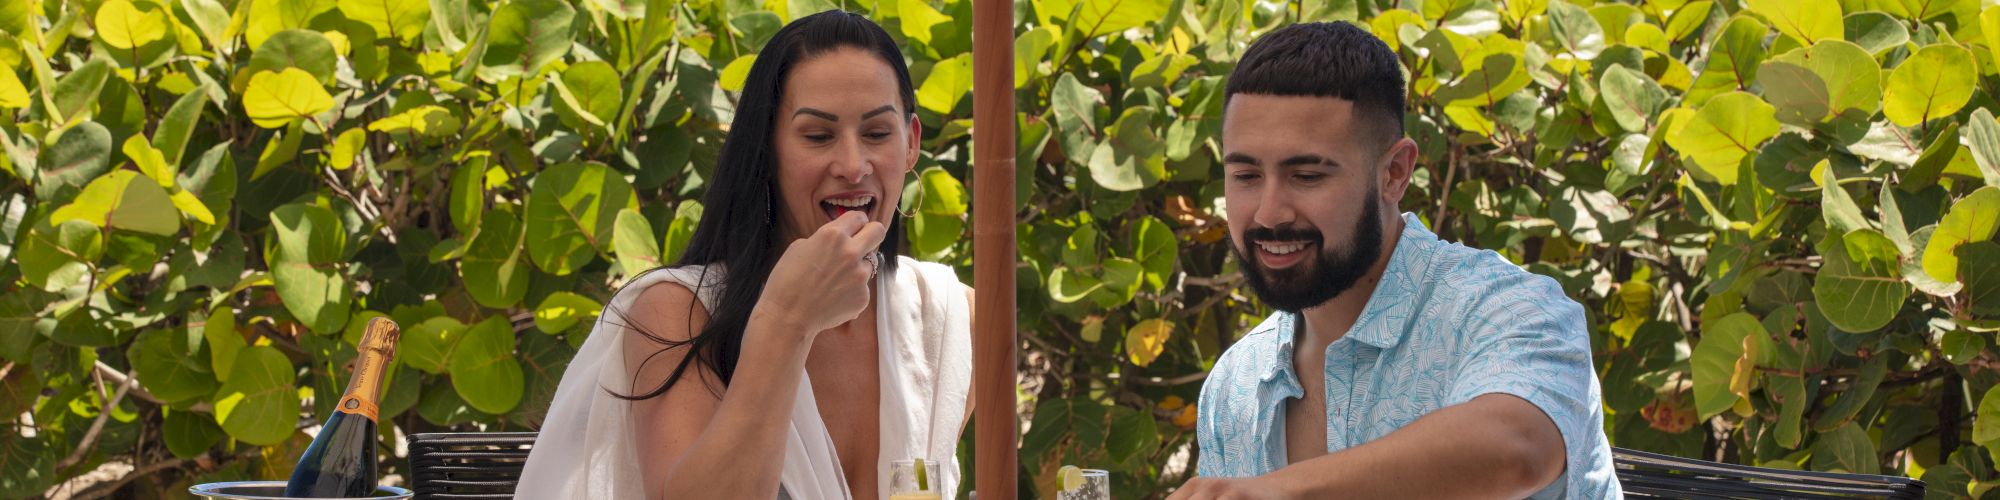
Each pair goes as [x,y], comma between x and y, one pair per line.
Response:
[836,207]
[1281,248]
[855,202]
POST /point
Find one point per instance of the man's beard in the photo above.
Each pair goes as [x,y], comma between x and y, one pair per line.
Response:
[1320,278]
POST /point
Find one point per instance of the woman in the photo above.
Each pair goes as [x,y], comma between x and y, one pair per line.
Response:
[721,376]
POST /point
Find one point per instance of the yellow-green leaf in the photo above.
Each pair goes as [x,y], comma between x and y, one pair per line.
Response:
[1972,219]
[149,160]
[12,93]
[274,100]
[125,26]
[192,206]
[1933,83]
[1728,127]
[1809,21]
[737,71]
[115,201]
[1145,341]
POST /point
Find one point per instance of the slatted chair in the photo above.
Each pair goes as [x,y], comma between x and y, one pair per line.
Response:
[1652,475]
[488,465]
[468,465]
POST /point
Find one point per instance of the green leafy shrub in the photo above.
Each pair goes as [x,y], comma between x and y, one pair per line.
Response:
[205,198]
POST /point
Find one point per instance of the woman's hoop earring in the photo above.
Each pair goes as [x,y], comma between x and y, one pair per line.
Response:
[913,210]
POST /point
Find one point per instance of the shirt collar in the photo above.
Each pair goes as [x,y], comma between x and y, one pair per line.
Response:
[1398,283]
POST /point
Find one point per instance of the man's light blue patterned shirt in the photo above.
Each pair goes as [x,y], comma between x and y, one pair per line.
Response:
[1446,324]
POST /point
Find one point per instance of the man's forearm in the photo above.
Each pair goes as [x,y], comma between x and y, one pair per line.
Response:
[1495,446]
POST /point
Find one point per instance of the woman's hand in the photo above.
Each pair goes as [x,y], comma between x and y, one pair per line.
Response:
[822,280]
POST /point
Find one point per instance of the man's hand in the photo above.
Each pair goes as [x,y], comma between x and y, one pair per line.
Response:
[1211,488]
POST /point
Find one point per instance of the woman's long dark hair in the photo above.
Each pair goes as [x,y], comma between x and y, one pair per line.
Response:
[737,231]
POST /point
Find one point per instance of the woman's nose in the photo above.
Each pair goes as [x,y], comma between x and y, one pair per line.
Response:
[850,162]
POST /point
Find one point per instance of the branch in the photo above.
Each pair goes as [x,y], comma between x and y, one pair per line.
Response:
[97,426]
[140,392]
[106,489]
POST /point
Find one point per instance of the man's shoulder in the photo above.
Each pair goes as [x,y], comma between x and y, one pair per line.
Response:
[1485,280]
[1245,362]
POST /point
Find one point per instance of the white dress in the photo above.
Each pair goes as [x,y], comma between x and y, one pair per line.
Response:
[586,448]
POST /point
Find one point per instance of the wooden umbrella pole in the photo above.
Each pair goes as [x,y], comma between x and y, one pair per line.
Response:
[993,248]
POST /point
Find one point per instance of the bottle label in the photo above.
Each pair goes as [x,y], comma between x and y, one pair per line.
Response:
[358,406]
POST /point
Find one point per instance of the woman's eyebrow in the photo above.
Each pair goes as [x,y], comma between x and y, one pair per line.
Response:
[886,108]
[814,112]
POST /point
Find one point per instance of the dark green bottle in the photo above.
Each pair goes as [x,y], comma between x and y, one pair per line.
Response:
[341,461]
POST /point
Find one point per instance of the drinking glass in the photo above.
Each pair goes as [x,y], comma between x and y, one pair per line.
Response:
[904,481]
[1096,486]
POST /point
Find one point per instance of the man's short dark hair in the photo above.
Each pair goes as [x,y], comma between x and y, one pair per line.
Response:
[1331,59]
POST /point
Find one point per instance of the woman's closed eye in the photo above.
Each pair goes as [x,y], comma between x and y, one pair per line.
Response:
[819,138]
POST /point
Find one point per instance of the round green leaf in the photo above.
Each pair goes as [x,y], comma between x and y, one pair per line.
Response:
[1718,359]
[189,434]
[306,266]
[277,99]
[483,369]
[572,213]
[1933,83]
[1846,449]
[303,49]
[124,26]
[427,346]
[1632,97]
[80,154]
[123,200]
[1727,128]
[1132,159]
[523,36]
[949,82]
[931,233]
[1860,292]
[561,310]
[167,368]
[258,403]
[942,194]
[495,268]
[1971,219]
[736,72]
[589,95]
[57,257]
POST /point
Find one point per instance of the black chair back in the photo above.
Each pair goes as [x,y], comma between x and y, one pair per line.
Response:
[1652,475]
[487,465]
[466,465]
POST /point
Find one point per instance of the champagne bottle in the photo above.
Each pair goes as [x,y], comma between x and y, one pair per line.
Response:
[341,460]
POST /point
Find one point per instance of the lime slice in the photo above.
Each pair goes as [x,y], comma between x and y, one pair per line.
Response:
[923,483]
[1072,478]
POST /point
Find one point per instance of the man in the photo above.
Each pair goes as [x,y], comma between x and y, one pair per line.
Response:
[1397,365]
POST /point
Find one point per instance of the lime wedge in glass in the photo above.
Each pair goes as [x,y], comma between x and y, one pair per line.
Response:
[1071,478]
[923,483]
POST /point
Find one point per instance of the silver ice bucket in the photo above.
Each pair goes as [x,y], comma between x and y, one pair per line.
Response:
[273,490]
